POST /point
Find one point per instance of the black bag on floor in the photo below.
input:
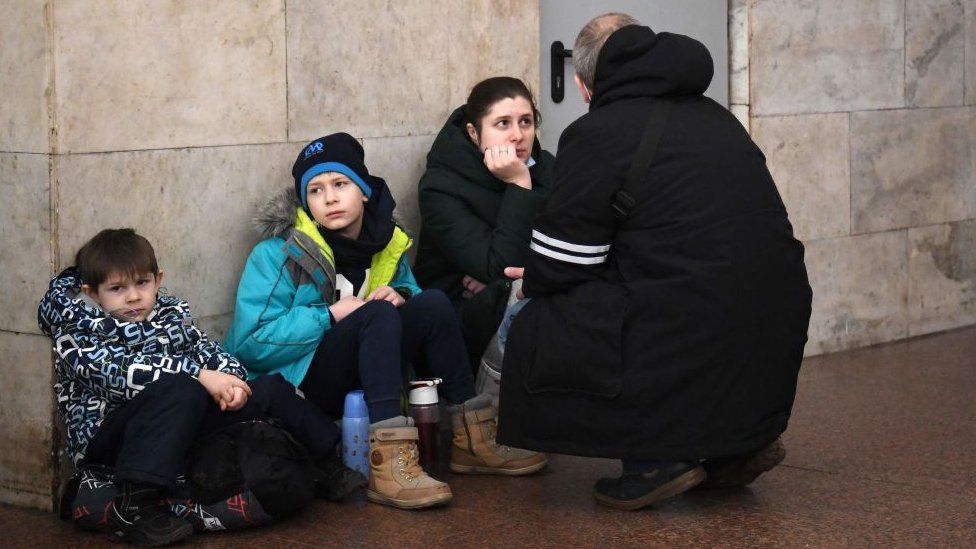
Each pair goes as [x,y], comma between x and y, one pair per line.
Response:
[239,477]
[88,498]
[255,456]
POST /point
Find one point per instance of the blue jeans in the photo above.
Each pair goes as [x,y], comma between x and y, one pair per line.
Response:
[510,315]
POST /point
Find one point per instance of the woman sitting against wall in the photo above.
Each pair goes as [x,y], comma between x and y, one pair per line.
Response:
[487,177]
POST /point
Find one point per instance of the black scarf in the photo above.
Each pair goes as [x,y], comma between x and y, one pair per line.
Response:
[353,257]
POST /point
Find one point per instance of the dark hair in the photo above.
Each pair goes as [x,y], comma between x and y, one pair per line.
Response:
[486,93]
[115,251]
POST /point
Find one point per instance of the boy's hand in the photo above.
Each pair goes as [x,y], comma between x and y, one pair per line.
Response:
[240,398]
[386,293]
[504,164]
[342,308]
[222,388]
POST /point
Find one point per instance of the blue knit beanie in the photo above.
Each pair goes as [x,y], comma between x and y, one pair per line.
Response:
[338,152]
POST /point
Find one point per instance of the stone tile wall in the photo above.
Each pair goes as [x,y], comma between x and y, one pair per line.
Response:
[26,232]
[178,118]
[865,113]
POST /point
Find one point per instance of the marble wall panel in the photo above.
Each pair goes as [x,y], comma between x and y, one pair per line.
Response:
[26,406]
[934,52]
[25,77]
[215,326]
[738,52]
[808,158]
[912,167]
[970,50]
[741,113]
[828,55]
[401,161]
[194,205]
[377,69]
[491,38]
[143,74]
[860,291]
[25,238]
[942,277]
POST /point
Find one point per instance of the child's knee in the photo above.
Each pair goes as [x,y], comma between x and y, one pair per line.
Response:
[380,310]
[435,301]
[181,388]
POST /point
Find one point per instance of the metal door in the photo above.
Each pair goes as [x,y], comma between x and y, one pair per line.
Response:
[561,20]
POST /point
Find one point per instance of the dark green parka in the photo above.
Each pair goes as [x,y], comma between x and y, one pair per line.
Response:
[474,224]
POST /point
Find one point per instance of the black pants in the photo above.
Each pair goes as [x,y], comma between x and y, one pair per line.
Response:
[147,439]
[370,348]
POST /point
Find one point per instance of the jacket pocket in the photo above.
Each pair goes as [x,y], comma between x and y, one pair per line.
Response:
[579,342]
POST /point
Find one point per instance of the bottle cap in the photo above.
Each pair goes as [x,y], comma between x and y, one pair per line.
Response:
[423,391]
[355,405]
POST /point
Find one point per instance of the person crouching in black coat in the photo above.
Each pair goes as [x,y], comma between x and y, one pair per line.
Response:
[668,320]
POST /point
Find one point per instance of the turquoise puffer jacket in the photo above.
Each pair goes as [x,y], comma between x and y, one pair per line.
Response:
[289,281]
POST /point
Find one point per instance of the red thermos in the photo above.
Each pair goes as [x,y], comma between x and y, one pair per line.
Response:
[422,400]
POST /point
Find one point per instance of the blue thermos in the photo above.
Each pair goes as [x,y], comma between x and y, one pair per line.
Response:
[355,433]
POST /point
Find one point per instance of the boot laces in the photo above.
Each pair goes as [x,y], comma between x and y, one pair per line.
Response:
[408,460]
[492,434]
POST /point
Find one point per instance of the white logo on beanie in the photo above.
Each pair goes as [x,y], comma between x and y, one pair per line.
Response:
[314,148]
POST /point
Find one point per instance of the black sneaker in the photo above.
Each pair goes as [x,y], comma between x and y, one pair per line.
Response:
[335,481]
[741,470]
[147,526]
[635,490]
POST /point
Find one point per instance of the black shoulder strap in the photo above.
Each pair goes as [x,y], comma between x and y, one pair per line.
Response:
[623,200]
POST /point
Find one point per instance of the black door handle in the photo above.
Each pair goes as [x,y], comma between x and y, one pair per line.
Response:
[557,56]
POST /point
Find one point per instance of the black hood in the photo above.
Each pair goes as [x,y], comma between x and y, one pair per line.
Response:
[381,204]
[637,62]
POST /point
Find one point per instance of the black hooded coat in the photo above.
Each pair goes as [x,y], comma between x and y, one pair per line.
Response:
[676,333]
[474,224]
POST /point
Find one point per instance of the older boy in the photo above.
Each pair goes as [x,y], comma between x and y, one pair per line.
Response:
[328,300]
[137,382]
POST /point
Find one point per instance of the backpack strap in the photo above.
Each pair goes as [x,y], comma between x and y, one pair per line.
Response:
[623,200]
[305,253]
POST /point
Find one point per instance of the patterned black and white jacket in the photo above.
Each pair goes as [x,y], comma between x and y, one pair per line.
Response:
[103,362]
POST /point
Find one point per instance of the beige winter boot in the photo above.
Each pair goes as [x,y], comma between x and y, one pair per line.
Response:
[395,476]
[474,449]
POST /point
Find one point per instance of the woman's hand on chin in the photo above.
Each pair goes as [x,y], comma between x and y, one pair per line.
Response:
[504,164]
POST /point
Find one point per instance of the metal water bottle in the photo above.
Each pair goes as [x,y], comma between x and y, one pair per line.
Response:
[422,407]
[355,433]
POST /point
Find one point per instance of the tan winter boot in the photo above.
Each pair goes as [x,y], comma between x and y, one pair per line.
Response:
[395,476]
[474,449]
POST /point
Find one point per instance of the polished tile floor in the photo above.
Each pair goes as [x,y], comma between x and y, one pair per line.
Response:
[881,453]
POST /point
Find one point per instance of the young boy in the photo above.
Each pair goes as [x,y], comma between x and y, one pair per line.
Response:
[137,382]
[328,301]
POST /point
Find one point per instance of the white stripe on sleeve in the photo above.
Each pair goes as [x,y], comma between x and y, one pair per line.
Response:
[594,260]
[569,246]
